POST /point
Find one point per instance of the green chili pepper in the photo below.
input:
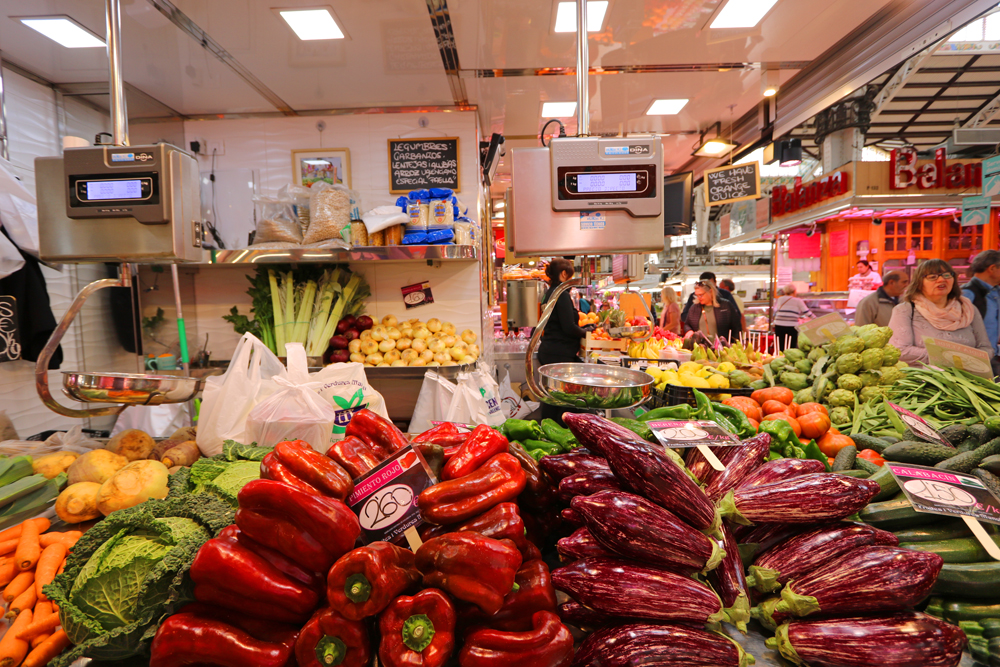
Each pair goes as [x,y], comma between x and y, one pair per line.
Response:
[556,433]
[812,451]
[522,429]
[637,427]
[774,456]
[537,454]
[722,421]
[799,453]
[736,417]
[544,445]
[703,406]
[683,412]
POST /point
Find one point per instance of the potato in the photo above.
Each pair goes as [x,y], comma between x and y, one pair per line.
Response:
[179,436]
[96,466]
[78,502]
[134,484]
[51,465]
[133,444]
[183,454]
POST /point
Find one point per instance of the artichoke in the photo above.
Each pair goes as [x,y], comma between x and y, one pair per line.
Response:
[841,398]
[865,329]
[849,363]
[850,382]
[804,366]
[841,415]
[876,338]
[816,354]
[870,378]
[740,379]
[868,393]
[850,344]
[902,364]
[872,359]
[890,355]
[805,344]
[890,376]
[793,354]
[759,384]
[778,365]
[804,396]
[794,381]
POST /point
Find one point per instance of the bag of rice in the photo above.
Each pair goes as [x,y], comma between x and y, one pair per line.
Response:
[276,221]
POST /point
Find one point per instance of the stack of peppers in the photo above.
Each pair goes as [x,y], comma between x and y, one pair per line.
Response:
[539,439]
[785,444]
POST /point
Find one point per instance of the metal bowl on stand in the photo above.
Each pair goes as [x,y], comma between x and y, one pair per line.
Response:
[130,388]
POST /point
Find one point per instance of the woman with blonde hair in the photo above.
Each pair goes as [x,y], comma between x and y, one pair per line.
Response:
[670,318]
[711,316]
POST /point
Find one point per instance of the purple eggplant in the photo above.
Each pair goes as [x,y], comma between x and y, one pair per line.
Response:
[802,499]
[908,639]
[581,544]
[766,535]
[571,516]
[640,530]
[639,644]
[767,614]
[629,590]
[592,431]
[866,580]
[803,553]
[581,616]
[740,461]
[587,483]
[730,583]
[699,466]
[557,466]
[780,469]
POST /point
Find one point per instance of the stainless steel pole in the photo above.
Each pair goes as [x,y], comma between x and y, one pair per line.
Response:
[116,88]
[582,71]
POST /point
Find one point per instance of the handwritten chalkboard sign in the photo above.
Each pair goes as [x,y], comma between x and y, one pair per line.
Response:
[10,346]
[415,164]
[732,183]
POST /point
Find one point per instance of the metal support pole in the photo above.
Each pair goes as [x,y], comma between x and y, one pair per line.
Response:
[4,148]
[116,88]
[582,71]
[181,329]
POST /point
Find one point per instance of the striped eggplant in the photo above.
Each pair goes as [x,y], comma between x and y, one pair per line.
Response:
[730,583]
[557,466]
[640,530]
[637,644]
[766,535]
[581,544]
[780,469]
[586,483]
[803,553]
[581,616]
[802,499]
[908,639]
[699,466]
[571,516]
[865,580]
[592,431]
[740,461]
[630,590]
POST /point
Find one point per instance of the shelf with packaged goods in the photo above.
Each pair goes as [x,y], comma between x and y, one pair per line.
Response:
[399,253]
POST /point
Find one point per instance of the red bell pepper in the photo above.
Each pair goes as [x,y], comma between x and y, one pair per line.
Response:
[483,444]
[500,479]
[329,639]
[272,468]
[417,631]
[871,456]
[316,470]
[547,644]
[533,592]
[353,455]
[470,567]
[377,432]
[287,566]
[364,581]
[314,531]
[445,434]
[231,576]
[191,638]
[500,523]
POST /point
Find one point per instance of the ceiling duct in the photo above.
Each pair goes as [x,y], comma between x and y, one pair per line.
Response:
[976,136]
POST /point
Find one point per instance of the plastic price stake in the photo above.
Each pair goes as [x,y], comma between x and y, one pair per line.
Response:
[945,354]
[952,494]
[917,424]
[701,434]
[831,327]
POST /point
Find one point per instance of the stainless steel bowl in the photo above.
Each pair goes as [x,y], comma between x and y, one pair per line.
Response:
[130,388]
[594,386]
[635,333]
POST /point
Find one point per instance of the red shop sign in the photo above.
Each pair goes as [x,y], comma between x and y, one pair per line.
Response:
[786,200]
[906,172]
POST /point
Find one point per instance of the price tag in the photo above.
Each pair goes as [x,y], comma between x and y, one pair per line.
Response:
[946,354]
[952,494]
[917,424]
[831,327]
[385,499]
[700,434]
[418,294]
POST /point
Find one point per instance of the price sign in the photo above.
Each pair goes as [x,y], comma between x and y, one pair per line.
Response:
[829,327]
[417,294]
[385,499]
[917,424]
[700,434]
[952,355]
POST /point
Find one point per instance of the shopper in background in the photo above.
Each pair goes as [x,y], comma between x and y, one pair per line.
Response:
[729,286]
[709,277]
[561,338]
[984,293]
[933,306]
[711,314]
[865,278]
[670,317]
[584,305]
[788,310]
[877,308]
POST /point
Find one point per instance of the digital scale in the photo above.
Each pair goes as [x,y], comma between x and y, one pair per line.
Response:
[619,174]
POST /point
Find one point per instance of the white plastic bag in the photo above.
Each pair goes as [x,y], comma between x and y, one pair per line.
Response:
[476,401]
[345,387]
[159,421]
[511,404]
[72,440]
[433,402]
[229,398]
[295,411]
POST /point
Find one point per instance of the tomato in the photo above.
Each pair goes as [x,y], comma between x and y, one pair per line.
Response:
[814,424]
[806,408]
[872,456]
[747,406]
[831,443]
[771,407]
[783,394]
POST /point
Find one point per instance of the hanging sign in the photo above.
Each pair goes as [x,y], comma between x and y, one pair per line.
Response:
[829,327]
[732,183]
[991,176]
[416,164]
[385,499]
[975,210]
[10,346]
[917,424]
[946,354]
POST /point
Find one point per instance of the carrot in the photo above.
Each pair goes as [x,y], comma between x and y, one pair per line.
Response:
[52,647]
[68,538]
[25,600]
[14,532]
[8,546]
[40,627]
[13,648]
[28,549]
[40,639]
[18,585]
[48,565]
[7,572]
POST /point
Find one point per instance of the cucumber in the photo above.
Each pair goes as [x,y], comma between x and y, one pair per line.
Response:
[964,462]
[888,483]
[947,529]
[866,465]
[889,439]
[857,474]
[992,425]
[864,441]
[981,432]
[991,481]
[991,448]
[991,626]
[991,463]
[917,453]
[845,458]
[968,444]
[959,550]
[955,433]
[910,436]
[970,580]
[895,515]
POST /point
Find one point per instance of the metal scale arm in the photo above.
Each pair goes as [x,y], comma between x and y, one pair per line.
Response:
[536,337]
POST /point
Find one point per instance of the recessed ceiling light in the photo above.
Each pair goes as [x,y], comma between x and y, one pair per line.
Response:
[666,107]
[558,109]
[566,16]
[312,24]
[499,204]
[742,13]
[65,31]
[499,215]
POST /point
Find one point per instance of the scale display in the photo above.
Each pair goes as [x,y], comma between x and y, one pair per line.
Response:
[113,190]
[606,182]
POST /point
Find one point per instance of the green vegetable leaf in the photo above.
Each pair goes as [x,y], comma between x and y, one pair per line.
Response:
[234,477]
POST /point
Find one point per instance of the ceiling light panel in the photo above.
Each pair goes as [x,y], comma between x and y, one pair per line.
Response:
[666,107]
[566,16]
[742,13]
[558,109]
[312,24]
[65,31]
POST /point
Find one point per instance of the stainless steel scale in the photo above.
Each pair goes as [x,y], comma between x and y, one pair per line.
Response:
[129,204]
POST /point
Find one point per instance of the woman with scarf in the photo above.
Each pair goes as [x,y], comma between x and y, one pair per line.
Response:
[933,306]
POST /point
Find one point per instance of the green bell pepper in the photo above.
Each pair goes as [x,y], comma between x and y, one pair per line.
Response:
[682,412]
[812,451]
[537,454]
[556,433]
[774,456]
[740,421]
[782,435]
[521,430]
[637,427]
[543,445]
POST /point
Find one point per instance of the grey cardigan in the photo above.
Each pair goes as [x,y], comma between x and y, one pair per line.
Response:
[909,328]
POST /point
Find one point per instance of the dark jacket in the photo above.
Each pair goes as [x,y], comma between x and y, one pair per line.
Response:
[723,295]
[727,319]
[562,332]
[979,291]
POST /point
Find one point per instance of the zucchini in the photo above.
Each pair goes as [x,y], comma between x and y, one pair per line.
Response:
[948,529]
[917,453]
[991,448]
[955,433]
[845,458]
[970,580]
[968,444]
[895,515]
[888,483]
[857,474]
[981,432]
[964,462]
[889,439]
[991,463]
[991,626]
[989,480]
[865,441]
[992,425]
[958,550]
[866,465]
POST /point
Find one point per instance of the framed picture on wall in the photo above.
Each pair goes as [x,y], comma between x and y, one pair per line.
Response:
[330,165]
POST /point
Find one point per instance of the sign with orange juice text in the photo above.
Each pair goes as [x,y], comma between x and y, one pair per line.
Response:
[946,354]
[827,328]
[732,183]
[385,499]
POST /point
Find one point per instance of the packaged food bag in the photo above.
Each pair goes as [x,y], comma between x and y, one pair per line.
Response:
[276,221]
[345,388]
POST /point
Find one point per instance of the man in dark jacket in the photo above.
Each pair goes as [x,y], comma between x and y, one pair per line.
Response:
[984,292]
[877,308]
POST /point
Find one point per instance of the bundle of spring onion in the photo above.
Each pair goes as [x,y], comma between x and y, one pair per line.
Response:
[302,305]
